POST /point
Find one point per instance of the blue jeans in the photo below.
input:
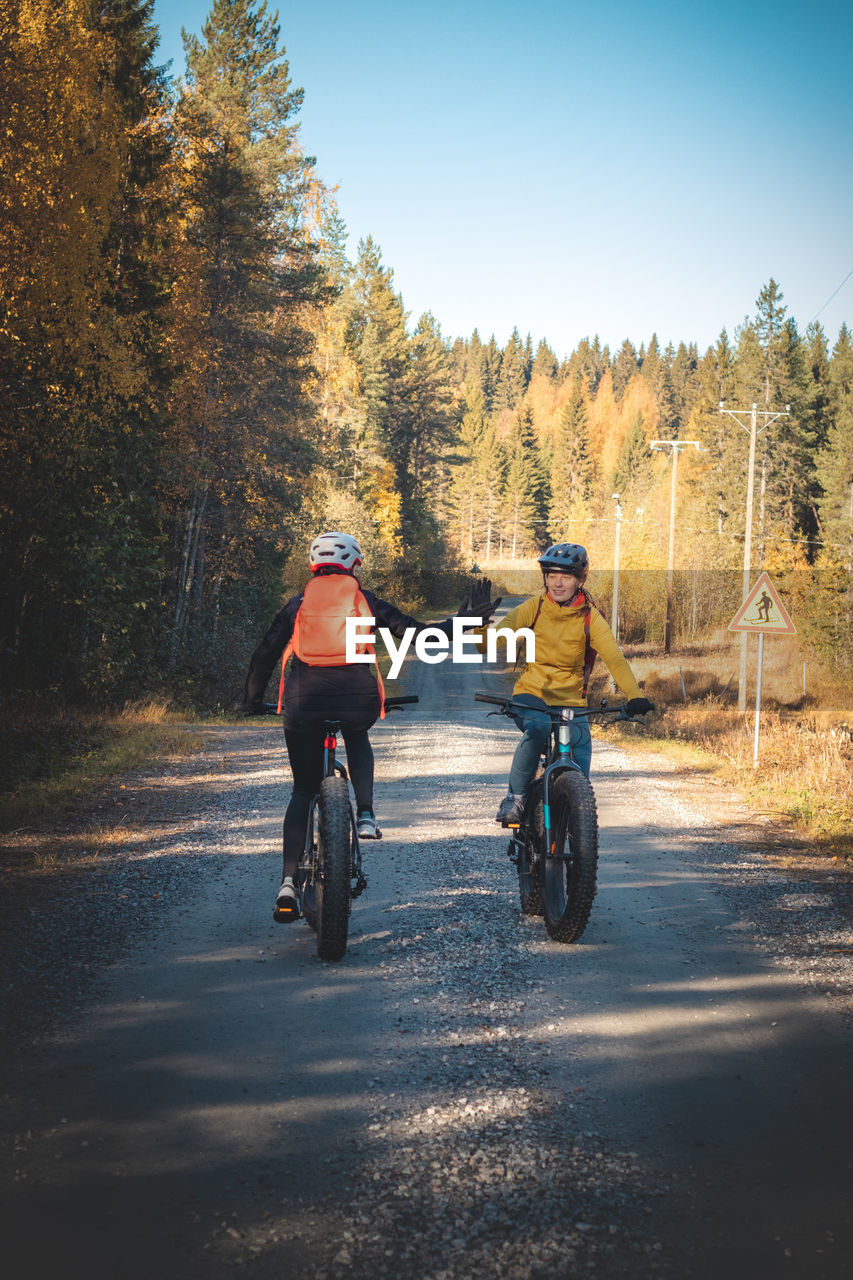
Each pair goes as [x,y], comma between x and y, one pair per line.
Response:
[536,728]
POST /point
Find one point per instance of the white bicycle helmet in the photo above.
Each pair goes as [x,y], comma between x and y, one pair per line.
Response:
[336,551]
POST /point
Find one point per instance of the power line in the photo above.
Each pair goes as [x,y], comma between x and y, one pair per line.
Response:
[831,296]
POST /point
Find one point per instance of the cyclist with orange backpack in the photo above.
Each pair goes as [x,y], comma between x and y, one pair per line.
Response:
[322,686]
[569,633]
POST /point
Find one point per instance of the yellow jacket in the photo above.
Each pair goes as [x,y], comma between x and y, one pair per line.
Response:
[556,675]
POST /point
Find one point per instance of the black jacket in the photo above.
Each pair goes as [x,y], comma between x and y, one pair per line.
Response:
[345,681]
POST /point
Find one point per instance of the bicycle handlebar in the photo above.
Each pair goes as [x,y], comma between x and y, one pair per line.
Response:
[270,709]
[488,697]
[554,712]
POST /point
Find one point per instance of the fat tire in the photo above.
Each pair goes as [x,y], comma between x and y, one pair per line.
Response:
[569,884]
[333,890]
[529,876]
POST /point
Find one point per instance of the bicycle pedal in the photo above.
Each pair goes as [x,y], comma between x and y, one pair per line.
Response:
[285,917]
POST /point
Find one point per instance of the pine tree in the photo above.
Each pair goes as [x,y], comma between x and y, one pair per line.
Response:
[652,361]
[491,373]
[525,489]
[381,349]
[831,590]
[487,478]
[634,466]
[625,366]
[771,370]
[587,362]
[514,375]
[76,344]
[834,464]
[245,276]
[545,364]
[684,381]
[571,469]
[431,425]
[724,493]
[464,468]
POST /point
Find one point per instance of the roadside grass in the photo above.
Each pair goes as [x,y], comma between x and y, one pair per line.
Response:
[805,754]
[53,759]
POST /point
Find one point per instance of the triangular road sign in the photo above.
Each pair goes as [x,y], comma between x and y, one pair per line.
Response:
[762,610]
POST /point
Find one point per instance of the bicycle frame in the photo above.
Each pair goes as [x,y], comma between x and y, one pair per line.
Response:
[556,853]
[332,765]
[559,757]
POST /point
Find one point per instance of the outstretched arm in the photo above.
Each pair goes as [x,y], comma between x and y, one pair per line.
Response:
[478,603]
[608,650]
[265,657]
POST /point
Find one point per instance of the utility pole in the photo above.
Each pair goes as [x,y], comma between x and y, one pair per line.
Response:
[753,431]
[614,617]
[674,445]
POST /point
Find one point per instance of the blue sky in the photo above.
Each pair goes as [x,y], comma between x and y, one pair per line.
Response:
[570,169]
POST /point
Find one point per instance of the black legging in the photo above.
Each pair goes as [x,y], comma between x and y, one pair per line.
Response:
[305,751]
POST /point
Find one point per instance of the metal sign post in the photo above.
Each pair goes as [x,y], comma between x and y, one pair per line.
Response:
[763,612]
[753,431]
[758,699]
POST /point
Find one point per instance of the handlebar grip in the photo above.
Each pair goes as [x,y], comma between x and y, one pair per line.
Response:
[488,697]
[398,702]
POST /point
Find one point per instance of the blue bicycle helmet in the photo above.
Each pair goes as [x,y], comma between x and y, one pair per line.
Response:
[566,557]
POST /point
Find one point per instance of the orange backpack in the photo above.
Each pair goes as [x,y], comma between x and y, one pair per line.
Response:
[319,632]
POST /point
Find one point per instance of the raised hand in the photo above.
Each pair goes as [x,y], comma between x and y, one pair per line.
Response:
[479,603]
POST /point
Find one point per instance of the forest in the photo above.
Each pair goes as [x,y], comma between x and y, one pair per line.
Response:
[196,378]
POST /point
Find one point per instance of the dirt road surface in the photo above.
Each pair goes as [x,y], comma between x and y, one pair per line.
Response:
[459,1097]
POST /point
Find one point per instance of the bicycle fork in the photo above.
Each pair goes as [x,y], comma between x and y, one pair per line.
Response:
[560,764]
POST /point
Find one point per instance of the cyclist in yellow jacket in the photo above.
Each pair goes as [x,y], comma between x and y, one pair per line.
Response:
[569,632]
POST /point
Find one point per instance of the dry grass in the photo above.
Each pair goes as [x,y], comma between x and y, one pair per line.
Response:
[54,759]
[805,765]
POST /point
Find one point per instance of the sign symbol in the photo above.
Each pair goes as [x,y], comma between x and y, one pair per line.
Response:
[763,611]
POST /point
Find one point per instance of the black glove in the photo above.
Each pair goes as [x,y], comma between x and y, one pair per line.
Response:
[638,706]
[479,603]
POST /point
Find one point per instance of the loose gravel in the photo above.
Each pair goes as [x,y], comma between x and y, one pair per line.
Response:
[795,906]
[463,1170]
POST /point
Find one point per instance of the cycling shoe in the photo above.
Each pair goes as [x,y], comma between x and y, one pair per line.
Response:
[367,826]
[286,903]
[512,807]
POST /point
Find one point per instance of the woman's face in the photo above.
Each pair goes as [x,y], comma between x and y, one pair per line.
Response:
[562,587]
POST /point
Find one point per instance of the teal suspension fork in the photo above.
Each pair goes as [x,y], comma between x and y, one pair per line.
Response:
[562,762]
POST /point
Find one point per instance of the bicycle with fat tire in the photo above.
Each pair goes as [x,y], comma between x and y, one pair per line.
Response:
[554,846]
[330,874]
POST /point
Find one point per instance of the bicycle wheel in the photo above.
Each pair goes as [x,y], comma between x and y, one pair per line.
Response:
[529,884]
[569,874]
[333,856]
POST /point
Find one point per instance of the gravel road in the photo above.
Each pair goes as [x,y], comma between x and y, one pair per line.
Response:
[189,1091]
